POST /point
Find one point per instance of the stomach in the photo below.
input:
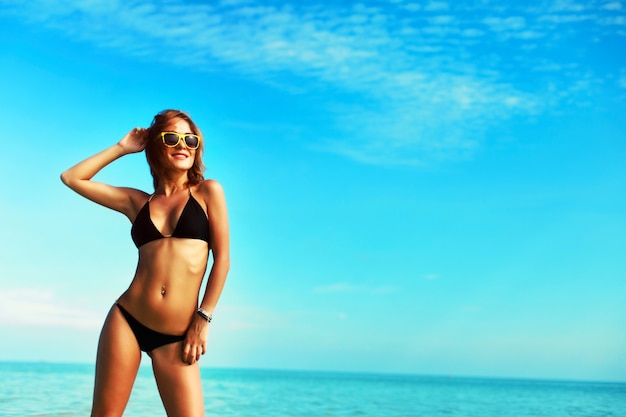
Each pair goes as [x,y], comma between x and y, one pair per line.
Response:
[164,292]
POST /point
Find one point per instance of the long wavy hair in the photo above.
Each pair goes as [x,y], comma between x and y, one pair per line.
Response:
[155,150]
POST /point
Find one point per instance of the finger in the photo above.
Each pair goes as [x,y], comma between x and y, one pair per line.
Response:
[186,349]
[191,355]
[194,354]
[193,358]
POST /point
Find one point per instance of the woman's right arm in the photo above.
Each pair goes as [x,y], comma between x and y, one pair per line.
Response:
[78,177]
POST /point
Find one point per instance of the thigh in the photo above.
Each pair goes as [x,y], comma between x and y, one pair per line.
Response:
[179,383]
[116,366]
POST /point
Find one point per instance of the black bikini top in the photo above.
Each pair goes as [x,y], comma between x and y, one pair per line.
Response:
[192,224]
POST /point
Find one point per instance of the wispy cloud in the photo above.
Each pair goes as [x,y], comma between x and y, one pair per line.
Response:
[29,307]
[430,277]
[347,288]
[614,5]
[429,78]
[501,24]
[621,81]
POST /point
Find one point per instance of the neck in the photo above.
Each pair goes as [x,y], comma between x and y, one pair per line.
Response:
[169,185]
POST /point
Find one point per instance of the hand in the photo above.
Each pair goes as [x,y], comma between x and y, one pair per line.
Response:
[135,140]
[195,340]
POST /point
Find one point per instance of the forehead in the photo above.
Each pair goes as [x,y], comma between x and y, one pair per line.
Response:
[179,125]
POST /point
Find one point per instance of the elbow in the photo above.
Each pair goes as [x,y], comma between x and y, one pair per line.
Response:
[68,179]
[65,178]
[226,264]
[223,260]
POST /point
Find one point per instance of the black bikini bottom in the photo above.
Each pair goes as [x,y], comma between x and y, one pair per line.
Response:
[147,338]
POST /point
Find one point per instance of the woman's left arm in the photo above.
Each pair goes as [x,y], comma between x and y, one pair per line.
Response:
[197,334]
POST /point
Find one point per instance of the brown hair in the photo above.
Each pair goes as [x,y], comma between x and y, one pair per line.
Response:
[155,150]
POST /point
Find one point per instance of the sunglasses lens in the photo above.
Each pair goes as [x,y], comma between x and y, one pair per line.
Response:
[170,139]
[192,141]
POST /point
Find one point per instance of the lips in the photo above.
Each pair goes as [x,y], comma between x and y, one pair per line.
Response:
[180,155]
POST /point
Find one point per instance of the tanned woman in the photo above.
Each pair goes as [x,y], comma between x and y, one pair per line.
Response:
[175,230]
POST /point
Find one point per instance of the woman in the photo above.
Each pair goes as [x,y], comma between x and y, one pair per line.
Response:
[174,230]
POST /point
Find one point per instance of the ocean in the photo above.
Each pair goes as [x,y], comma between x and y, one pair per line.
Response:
[51,389]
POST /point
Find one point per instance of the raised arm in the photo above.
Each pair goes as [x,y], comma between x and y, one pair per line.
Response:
[78,177]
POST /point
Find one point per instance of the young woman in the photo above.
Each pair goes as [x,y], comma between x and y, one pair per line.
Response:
[174,230]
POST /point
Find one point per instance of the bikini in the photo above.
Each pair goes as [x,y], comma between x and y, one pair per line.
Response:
[192,224]
[147,338]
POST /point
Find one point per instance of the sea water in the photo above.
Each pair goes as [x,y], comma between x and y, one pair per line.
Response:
[46,390]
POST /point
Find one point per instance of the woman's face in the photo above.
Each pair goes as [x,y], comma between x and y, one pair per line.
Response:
[179,157]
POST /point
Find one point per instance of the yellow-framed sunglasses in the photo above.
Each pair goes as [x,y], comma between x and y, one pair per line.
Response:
[172,139]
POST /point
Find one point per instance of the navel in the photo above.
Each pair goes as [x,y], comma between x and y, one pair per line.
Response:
[163,290]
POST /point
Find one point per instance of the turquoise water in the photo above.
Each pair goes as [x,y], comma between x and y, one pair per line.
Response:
[46,390]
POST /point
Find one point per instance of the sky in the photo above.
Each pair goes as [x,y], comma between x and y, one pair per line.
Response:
[423,187]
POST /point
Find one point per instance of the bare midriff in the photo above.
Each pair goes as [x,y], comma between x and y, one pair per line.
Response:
[164,292]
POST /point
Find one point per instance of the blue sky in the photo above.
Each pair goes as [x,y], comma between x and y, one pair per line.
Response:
[426,187]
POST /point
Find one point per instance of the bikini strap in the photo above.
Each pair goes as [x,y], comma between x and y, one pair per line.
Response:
[150,198]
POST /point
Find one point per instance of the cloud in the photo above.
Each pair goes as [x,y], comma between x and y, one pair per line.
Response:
[436,6]
[621,81]
[615,20]
[336,288]
[564,19]
[346,288]
[615,5]
[431,277]
[30,307]
[244,317]
[568,6]
[423,83]
[500,24]
[412,7]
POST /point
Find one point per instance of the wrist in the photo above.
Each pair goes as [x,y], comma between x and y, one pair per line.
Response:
[205,314]
[121,149]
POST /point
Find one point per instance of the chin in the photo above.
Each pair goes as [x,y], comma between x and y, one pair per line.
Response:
[183,167]
[182,164]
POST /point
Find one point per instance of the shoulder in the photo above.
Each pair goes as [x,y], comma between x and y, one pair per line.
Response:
[212,194]
[210,189]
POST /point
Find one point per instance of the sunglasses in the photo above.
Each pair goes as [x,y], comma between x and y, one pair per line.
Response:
[172,139]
